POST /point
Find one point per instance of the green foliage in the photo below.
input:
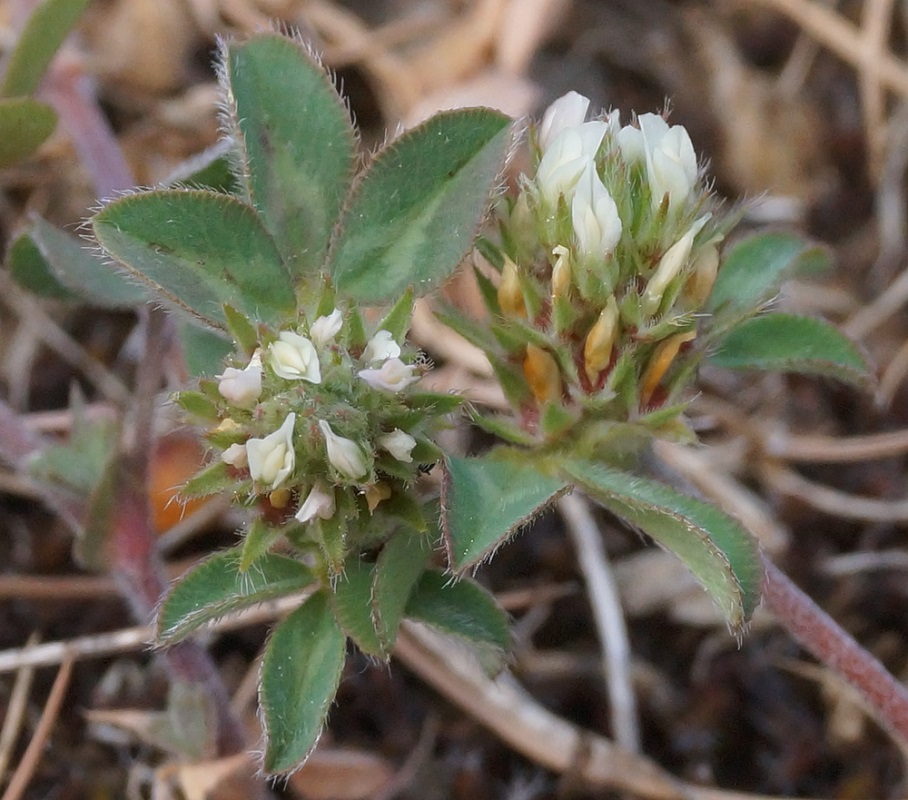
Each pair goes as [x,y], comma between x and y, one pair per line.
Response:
[485,500]
[204,350]
[300,672]
[28,268]
[415,212]
[398,568]
[295,144]
[24,125]
[219,585]
[47,27]
[352,602]
[722,556]
[198,250]
[793,344]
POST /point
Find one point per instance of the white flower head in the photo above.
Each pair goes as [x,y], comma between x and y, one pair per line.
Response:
[324,329]
[345,455]
[294,358]
[318,503]
[235,455]
[242,387]
[594,214]
[568,111]
[393,376]
[380,347]
[399,444]
[567,157]
[271,458]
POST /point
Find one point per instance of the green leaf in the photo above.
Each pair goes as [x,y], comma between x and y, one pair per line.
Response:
[83,272]
[352,602]
[485,500]
[722,556]
[414,214]
[219,585]
[793,344]
[37,44]
[297,143]
[463,609]
[399,566]
[24,126]
[753,270]
[300,672]
[258,538]
[30,270]
[203,349]
[198,250]
[210,169]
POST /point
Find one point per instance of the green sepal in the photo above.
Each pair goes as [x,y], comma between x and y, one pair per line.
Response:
[258,538]
[502,427]
[219,585]
[197,404]
[240,327]
[300,673]
[491,252]
[214,479]
[397,320]
[488,292]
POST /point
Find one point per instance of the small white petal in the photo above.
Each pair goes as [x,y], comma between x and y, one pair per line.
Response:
[380,347]
[319,503]
[235,455]
[594,214]
[393,376]
[242,387]
[271,458]
[294,358]
[568,111]
[566,159]
[345,455]
[670,266]
[399,444]
[324,329]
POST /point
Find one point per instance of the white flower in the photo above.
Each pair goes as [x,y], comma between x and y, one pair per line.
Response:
[242,387]
[294,358]
[235,455]
[345,455]
[594,214]
[394,376]
[567,157]
[399,444]
[324,329]
[271,458]
[380,347]
[671,163]
[568,111]
[671,264]
[319,503]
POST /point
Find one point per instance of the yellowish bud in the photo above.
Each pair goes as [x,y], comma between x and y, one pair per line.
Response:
[597,349]
[376,493]
[542,374]
[227,426]
[661,360]
[702,277]
[279,498]
[510,295]
[561,272]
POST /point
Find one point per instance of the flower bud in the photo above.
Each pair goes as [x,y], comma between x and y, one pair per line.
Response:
[293,357]
[673,261]
[597,349]
[380,347]
[242,387]
[271,458]
[659,363]
[702,277]
[393,376]
[542,374]
[561,272]
[345,455]
[324,329]
[565,160]
[279,498]
[235,455]
[510,294]
[594,215]
[399,444]
[318,503]
[376,493]
[568,111]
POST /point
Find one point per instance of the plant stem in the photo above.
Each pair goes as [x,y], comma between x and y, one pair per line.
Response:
[823,638]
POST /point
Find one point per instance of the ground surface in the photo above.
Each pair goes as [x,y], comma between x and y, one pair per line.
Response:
[820,136]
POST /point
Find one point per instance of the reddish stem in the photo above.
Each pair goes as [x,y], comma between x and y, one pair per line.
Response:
[822,637]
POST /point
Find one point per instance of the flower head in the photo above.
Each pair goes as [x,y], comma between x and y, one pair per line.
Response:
[293,357]
[271,458]
[324,329]
[242,387]
[345,455]
[392,376]
[399,444]
[380,347]
[318,503]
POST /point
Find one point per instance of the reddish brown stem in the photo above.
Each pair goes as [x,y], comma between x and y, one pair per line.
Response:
[823,638]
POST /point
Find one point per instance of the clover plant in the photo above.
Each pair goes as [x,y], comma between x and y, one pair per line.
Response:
[607,284]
